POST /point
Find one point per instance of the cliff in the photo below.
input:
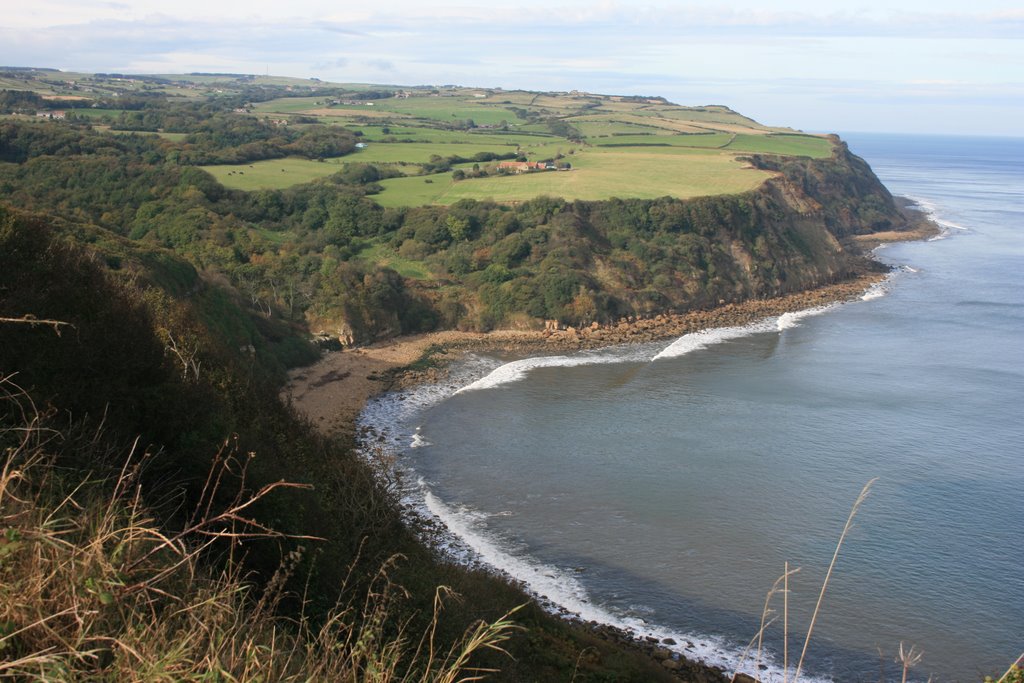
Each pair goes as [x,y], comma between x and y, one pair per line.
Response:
[585,262]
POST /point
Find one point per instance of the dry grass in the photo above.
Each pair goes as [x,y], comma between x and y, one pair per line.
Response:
[908,659]
[93,589]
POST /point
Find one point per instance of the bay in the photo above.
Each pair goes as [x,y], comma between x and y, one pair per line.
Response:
[662,488]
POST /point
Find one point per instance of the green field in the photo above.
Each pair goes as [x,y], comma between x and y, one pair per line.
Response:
[288,105]
[607,127]
[708,141]
[272,174]
[448,108]
[597,174]
[282,173]
[796,145]
[629,148]
[420,152]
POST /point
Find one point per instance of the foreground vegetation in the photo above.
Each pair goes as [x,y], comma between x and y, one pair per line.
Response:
[147,536]
[176,302]
[95,589]
[324,254]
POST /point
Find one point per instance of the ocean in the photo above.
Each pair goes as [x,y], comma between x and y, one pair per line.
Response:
[662,488]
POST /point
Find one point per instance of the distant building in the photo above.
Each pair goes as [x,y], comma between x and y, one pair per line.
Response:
[55,114]
[526,166]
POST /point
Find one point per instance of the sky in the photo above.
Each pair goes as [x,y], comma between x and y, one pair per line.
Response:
[902,66]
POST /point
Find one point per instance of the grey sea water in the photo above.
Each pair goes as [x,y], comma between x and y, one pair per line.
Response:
[663,488]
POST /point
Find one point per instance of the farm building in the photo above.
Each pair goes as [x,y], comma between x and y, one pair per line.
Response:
[526,166]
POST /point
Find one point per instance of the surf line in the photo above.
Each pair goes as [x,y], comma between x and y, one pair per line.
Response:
[517,370]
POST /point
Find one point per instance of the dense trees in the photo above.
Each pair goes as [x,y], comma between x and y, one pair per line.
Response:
[324,251]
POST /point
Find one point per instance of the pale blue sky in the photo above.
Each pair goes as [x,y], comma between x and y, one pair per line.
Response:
[900,66]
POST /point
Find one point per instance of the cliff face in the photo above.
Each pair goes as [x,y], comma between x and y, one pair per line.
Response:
[797,230]
[853,200]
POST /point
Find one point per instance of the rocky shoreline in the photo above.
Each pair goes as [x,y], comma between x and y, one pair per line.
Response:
[632,330]
[404,363]
[671,655]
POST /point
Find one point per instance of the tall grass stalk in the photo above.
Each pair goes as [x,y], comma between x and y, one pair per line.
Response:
[828,575]
[92,588]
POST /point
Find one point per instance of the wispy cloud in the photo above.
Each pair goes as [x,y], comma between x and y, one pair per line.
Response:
[810,59]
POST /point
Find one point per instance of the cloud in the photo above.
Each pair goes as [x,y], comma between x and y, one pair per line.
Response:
[804,59]
[338,63]
[379,64]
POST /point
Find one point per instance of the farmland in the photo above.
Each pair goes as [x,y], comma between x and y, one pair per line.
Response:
[616,146]
[596,174]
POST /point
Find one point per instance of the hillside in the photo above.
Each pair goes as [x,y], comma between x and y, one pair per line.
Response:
[146,212]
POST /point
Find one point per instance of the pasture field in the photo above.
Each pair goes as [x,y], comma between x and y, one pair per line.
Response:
[420,152]
[598,128]
[701,141]
[629,148]
[402,133]
[795,145]
[649,121]
[272,174]
[596,174]
[288,105]
[446,109]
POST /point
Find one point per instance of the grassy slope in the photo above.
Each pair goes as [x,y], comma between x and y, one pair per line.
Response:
[273,173]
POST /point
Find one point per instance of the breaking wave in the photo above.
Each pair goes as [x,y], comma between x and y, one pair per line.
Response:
[559,591]
[931,210]
[464,534]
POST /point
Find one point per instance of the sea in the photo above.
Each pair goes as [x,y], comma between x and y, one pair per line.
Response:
[663,488]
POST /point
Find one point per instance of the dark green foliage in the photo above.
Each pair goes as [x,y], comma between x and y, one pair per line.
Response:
[298,253]
[20,101]
[117,375]
[859,203]
[564,129]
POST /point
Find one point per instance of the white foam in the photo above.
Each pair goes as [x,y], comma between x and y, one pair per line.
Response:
[790,320]
[875,291]
[553,585]
[518,369]
[418,441]
[932,210]
[696,341]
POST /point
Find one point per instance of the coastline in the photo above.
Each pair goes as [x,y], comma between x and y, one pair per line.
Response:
[334,391]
